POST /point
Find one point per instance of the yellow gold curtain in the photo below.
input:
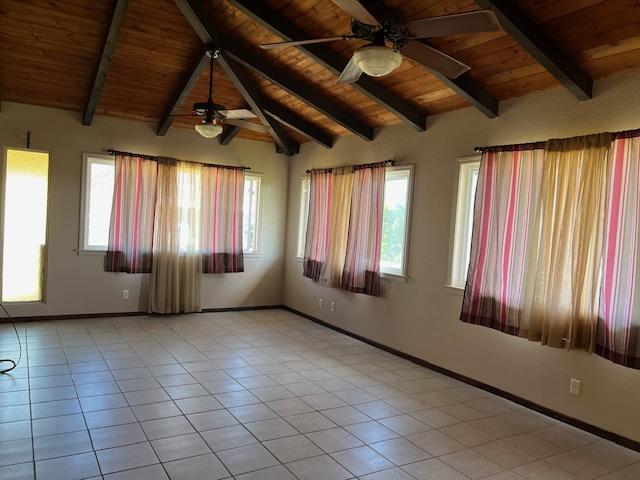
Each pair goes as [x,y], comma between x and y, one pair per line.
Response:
[177,257]
[568,243]
[338,220]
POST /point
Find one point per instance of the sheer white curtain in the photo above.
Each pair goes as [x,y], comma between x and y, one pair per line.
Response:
[177,254]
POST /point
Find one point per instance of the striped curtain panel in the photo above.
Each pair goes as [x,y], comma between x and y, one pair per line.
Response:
[618,337]
[505,207]
[317,240]
[221,214]
[132,215]
[361,273]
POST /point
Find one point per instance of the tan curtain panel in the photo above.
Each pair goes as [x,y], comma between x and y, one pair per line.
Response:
[177,256]
[338,221]
[568,243]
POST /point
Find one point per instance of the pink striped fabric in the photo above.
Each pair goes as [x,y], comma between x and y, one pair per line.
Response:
[505,206]
[316,244]
[361,272]
[132,215]
[221,209]
[619,322]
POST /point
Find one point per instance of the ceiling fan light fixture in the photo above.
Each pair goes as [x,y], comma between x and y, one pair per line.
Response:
[377,61]
[209,129]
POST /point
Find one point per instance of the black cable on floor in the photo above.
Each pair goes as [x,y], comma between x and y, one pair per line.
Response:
[8,360]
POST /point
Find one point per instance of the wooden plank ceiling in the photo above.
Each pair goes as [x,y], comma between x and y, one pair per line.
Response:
[49,52]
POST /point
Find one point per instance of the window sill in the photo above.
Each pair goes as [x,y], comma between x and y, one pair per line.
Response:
[26,303]
[455,290]
[252,255]
[298,259]
[100,253]
[395,277]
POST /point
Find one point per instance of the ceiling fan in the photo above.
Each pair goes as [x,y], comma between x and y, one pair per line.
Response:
[214,116]
[377,59]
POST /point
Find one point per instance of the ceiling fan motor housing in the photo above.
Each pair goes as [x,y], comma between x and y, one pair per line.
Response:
[392,28]
[202,108]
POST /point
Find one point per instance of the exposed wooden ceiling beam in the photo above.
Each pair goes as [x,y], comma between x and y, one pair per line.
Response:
[181,97]
[228,134]
[194,12]
[244,85]
[119,10]
[541,46]
[292,120]
[467,88]
[261,13]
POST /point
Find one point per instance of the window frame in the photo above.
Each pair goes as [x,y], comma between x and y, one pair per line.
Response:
[3,184]
[303,216]
[258,250]
[85,195]
[403,272]
[461,229]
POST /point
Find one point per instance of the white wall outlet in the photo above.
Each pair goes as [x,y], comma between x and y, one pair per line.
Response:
[575,387]
[320,302]
[333,306]
[125,294]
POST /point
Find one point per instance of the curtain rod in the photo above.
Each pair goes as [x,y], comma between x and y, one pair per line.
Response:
[386,163]
[153,157]
[534,145]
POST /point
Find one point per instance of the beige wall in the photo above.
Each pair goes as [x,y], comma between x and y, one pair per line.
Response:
[77,283]
[420,317]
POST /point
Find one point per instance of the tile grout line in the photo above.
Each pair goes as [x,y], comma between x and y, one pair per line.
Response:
[165,345]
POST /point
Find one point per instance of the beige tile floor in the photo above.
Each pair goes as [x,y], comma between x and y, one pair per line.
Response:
[263,395]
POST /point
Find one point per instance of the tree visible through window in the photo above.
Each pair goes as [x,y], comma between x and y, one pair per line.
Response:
[395,220]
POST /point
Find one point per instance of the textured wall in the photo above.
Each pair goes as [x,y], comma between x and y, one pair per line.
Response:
[77,283]
[420,316]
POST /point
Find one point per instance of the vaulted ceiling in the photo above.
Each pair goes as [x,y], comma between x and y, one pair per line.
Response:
[51,51]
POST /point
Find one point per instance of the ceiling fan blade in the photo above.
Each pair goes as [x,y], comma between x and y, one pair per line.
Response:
[357,11]
[351,73]
[434,59]
[470,22]
[237,113]
[293,43]
[256,127]
[174,115]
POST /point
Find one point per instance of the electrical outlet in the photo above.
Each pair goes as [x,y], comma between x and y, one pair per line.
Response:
[333,306]
[125,294]
[575,387]
[320,303]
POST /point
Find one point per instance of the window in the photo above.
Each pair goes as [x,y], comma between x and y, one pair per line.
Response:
[303,215]
[97,194]
[467,181]
[397,207]
[251,213]
[24,244]
[395,220]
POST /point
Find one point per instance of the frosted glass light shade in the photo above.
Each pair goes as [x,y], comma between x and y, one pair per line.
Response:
[209,130]
[377,61]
